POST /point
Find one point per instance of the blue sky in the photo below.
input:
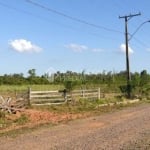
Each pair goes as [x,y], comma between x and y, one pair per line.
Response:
[35,37]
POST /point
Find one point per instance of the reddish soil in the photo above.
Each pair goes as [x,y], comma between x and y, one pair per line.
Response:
[37,117]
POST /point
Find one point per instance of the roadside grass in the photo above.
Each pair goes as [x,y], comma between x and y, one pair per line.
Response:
[82,106]
[3,121]
[14,133]
[21,120]
[6,122]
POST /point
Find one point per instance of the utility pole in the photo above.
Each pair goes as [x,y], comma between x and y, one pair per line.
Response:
[127,18]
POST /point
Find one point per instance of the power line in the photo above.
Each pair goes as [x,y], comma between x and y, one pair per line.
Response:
[141,43]
[55,22]
[72,18]
[65,26]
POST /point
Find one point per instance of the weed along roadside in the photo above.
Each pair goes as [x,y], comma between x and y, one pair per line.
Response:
[56,114]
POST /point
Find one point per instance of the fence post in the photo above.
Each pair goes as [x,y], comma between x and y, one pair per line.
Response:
[99,93]
[65,95]
[83,92]
[29,96]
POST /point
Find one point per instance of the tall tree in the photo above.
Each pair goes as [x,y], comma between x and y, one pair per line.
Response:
[32,73]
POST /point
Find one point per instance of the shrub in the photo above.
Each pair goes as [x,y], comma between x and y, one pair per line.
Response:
[22,119]
[2,114]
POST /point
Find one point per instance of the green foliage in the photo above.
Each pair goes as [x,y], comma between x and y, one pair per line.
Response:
[84,105]
[144,78]
[70,85]
[32,72]
[2,114]
[22,119]
[3,121]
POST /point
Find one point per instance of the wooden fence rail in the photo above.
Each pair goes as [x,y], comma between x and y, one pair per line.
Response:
[59,97]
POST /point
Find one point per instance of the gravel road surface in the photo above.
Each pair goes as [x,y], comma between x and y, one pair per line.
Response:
[127,129]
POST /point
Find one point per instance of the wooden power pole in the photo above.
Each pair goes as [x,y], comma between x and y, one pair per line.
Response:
[127,18]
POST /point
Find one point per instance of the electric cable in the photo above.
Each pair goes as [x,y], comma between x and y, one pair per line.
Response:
[71,17]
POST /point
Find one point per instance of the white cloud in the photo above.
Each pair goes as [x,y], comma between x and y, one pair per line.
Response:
[22,45]
[81,48]
[123,49]
[76,47]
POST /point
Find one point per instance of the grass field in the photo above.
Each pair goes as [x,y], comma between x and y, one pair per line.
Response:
[12,88]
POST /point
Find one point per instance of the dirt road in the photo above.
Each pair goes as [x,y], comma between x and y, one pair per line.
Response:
[127,129]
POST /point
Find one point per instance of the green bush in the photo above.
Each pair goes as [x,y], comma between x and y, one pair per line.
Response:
[22,119]
[2,114]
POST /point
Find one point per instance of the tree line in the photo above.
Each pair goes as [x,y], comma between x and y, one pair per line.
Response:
[140,82]
[138,79]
